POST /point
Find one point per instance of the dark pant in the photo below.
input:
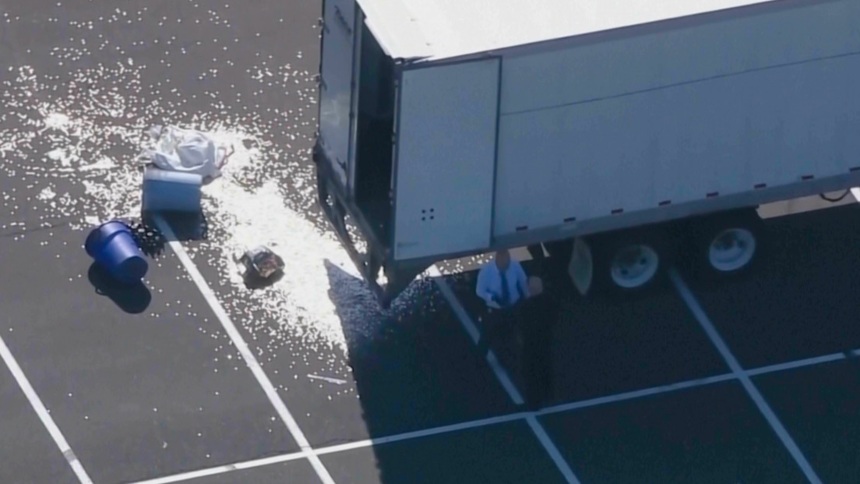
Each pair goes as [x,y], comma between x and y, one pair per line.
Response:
[537,361]
[533,319]
[497,323]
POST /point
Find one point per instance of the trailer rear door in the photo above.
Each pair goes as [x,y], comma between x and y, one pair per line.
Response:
[337,94]
[446,152]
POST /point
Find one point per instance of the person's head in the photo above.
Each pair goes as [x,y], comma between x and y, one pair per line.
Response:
[535,286]
[503,259]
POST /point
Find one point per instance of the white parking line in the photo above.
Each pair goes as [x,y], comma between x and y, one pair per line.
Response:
[444,429]
[551,449]
[43,414]
[486,422]
[212,471]
[646,392]
[706,324]
[417,434]
[502,376]
[244,350]
[530,417]
[796,364]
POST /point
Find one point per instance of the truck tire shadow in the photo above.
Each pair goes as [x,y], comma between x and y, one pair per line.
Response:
[133,299]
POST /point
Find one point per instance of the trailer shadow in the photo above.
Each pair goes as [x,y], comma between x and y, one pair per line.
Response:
[415,369]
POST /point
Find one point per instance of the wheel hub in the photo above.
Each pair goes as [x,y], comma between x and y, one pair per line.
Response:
[634,266]
[732,249]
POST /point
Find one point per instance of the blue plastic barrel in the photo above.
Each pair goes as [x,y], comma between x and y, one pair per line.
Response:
[113,247]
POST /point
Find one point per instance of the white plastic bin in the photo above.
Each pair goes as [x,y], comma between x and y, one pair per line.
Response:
[171,191]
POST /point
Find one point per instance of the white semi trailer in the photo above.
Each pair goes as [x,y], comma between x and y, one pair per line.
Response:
[620,133]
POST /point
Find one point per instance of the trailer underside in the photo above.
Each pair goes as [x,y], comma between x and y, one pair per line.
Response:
[592,256]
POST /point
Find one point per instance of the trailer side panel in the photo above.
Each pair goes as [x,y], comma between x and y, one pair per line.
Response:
[606,129]
[446,139]
[680,53]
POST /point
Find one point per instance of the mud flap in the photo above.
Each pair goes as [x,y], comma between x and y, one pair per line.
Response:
[581,267]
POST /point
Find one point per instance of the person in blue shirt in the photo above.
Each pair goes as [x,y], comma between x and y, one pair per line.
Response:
[502,283]
[526,309]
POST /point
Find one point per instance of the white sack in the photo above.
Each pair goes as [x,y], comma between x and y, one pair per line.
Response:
[185,150]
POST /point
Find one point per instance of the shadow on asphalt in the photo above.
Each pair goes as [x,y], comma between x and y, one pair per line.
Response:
[133,299]
[186,226]
[416,370]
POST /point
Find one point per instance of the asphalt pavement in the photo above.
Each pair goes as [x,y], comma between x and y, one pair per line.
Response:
[186,377]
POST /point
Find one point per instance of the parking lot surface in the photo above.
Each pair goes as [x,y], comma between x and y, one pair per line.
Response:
[191,377]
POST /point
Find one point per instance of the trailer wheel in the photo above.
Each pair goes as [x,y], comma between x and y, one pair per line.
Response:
[628,263]
[727,244]
[634,266]
[732,249]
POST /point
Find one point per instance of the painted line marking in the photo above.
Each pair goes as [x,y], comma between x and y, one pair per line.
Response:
[417,434]
[244,350]
[706,324]
[212,471]
[502,376]
[43,414]
[647,392]
[485,422]
[797,364]
[551,449]
[474,424]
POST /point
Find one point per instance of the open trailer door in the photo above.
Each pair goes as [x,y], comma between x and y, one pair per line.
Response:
[446,157]
[337,96]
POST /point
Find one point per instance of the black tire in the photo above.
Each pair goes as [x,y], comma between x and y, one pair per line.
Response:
[606,248]
[701,233]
